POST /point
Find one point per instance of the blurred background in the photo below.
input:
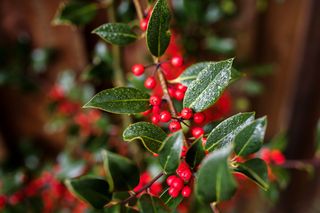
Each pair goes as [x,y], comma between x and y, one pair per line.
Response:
[50,64]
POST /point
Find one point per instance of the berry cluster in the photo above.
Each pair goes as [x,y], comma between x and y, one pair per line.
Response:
[272,156]
[178,184]
[155,189]
[52,192]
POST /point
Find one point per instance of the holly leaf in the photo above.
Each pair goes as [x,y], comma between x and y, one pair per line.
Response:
[158,34]
[255,169]
[250,139]
[121,173]
[75,12]
[191,73]
[151,136]
[195,154]
[116,33]
[225,132]
[120,100]
[214,181]
[210,83]
[170,152]
[150,204]
[169,201]
[94,191]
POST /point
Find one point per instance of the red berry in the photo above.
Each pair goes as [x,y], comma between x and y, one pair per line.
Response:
[186,191]
[144,24]
[155,119]
[265,154]
[277,157]
[177,183]
[182,167]
[155,155]
[186,113]
[197,132]
[186,175]
[155,109]
[173,192]
[165,116]
[155,100]
[177,61]
[198,117]
[150,82]
[174,126]
[179,95]
[181,87]
[170,179]
[137,69]
[171,91]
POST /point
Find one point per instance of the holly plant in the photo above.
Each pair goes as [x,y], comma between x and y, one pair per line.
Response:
[193,161]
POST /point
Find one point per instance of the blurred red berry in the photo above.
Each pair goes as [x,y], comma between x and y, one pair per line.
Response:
[174,126]
[177,183]
[155,118]
[173,192]
[186,191]
[165,116]
[144,24]
[197,132]
[170,179]
[184,151]
[176,61]
[186,113]
[198,117]
[277,157]
[179,95]
[137,69]
[204,141]
[181,87]
[155,100]
[150,82]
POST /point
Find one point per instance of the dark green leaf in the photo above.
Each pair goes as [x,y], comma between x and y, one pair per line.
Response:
[150,204]
[195,154]
[158,34]
[75,12]
[170,152]
[250,139]
[92,190]
[191,73]
[256,170]
[122,174]
[215,182]
[169,201]
[120,100]
[208,86]
[151,136]
[116,33]
[227,130]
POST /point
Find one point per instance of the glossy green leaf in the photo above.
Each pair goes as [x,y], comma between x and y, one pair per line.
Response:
[227,130]
[116,33]
[195,154]
[150,204]
[151,135]
[120,100]
[169,201]
[250,139]
[255,169]
[92,190]
[121,173]
[158,34]
[191,73]
[210,83]
[214,181]
[75,12]
[170,152]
